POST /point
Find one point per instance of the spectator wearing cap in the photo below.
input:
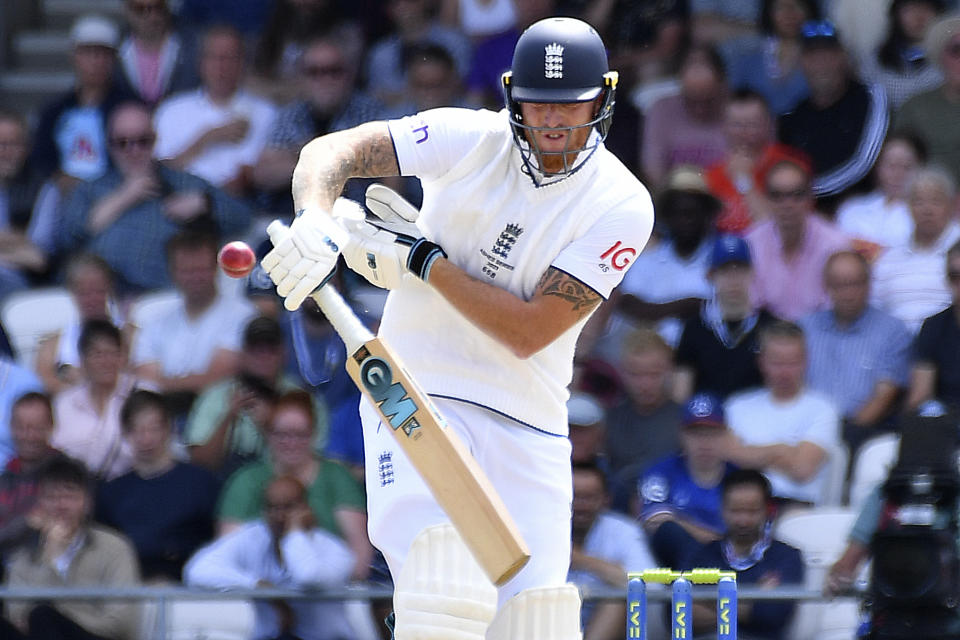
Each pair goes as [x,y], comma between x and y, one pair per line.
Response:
[855,114]
[163,505]
[934,115]
[718,347]
[784,429]
[908,280]
[687,128]
[735,180]
[225,428]
[790,249]
[677,499]
[604,546]
[588,429]
[858,355]
[642,427]
[71,135]
[667,282]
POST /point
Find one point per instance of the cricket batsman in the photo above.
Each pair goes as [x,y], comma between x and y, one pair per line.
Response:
[528,222]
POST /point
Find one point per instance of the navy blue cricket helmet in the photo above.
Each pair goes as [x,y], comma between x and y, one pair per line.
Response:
[559,60]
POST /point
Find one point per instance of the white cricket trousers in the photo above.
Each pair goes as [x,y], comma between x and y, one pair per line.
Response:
[529,469]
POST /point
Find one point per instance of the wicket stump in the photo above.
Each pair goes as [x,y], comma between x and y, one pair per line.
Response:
[681,601]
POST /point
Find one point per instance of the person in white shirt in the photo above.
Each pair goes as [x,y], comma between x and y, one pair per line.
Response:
[784,429]
[195,341]
[215,132]
[284,549]
[538,222]
[881,219]
[908,280]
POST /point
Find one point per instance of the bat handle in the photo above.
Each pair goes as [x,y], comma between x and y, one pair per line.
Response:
[345,322]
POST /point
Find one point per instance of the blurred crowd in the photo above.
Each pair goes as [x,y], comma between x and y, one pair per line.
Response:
[800,293]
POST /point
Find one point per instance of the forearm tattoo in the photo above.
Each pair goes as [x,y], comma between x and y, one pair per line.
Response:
[364,152]
[557,283]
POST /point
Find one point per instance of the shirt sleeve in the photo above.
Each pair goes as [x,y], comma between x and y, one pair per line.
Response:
[824,425]
[220,564]
[348,492]
[430,143]
[895,361]
[601,257]
[205,414]
[321,559]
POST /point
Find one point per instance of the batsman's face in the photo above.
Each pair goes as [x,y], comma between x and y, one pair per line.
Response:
[564,129]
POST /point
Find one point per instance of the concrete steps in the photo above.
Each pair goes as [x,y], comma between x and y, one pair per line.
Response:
[39,64]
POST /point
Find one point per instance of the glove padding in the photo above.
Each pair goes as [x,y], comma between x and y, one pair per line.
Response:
[304,255]
[382,250]
[378,255]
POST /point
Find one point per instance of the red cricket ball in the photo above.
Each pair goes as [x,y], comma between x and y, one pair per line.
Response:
[236,259]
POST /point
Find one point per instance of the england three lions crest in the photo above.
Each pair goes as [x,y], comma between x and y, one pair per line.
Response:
[553,61]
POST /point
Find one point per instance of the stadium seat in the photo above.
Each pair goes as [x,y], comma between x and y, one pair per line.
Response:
[821,536]
[837,460]
[209,620]
[150,304]
[28,316]
[871,466]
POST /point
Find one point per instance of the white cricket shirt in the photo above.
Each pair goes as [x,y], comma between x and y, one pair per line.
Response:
[492,221]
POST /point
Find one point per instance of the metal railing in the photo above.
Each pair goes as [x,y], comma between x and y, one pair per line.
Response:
[161,596]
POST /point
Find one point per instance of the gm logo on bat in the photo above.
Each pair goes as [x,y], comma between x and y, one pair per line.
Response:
[394,401]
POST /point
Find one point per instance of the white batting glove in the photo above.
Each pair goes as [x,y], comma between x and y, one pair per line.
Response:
[304,254]
[378,255]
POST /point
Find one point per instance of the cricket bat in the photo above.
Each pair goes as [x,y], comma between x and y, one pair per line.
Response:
[458,483]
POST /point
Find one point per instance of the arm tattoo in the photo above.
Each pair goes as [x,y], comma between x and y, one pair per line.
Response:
[582,298]
[363,152]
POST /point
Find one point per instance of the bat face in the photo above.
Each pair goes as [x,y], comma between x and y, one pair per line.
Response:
[443,461]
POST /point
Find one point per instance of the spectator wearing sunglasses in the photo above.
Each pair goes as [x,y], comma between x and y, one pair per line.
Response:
[934,115]
[127,215]
[790,249]
[855,114]
[329,102]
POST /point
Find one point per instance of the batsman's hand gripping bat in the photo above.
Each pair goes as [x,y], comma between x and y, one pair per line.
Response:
[458,483]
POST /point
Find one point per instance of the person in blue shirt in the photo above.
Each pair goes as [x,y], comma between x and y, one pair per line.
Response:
[678,497]
[749,549]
